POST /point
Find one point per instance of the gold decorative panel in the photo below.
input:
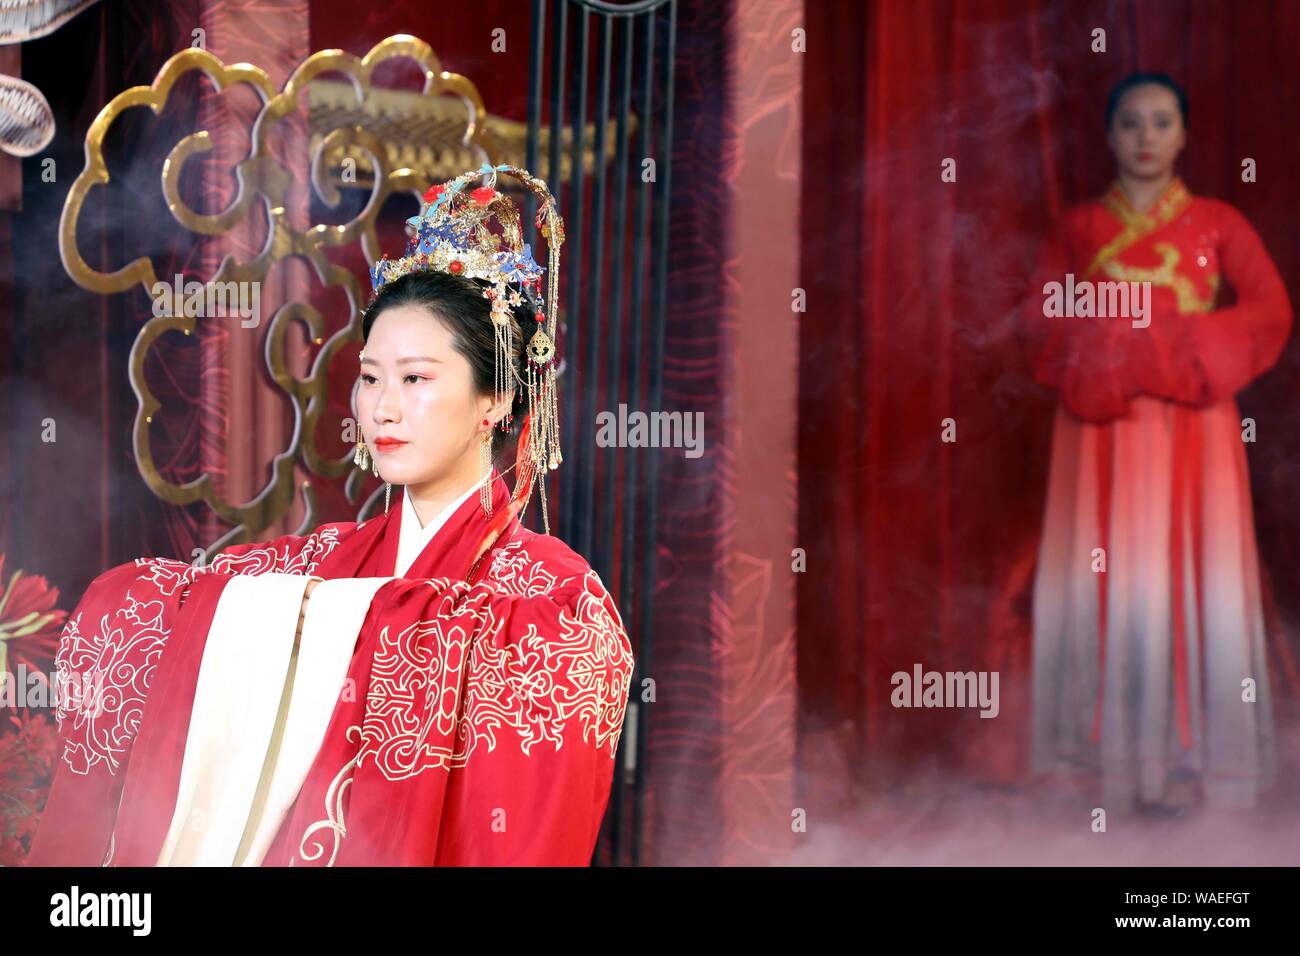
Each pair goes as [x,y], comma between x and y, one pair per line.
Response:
[400,141]
[422,132]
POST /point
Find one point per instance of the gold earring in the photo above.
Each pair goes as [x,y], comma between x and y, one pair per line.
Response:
[361,456]
[388,491]
[485,471]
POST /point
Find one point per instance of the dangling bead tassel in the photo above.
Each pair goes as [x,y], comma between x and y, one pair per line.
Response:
[485,472]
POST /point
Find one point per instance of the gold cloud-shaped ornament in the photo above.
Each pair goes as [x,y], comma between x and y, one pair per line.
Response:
[262,178]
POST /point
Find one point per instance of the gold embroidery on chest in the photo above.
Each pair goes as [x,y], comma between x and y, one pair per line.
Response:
[1166,274]
[1138,224]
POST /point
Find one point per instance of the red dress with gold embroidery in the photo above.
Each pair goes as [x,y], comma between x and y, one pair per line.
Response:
[477,724]
[1149,650]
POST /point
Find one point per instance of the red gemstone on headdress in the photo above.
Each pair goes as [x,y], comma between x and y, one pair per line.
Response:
[456,267]
[433,192]
[483,195]
[540,317]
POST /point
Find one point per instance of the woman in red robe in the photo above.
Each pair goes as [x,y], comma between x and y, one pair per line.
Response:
[435,686]
[1149,655]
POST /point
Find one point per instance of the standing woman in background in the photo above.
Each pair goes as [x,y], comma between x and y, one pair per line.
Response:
[1149,656]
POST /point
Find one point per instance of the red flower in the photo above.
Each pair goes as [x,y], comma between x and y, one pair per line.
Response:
[455,267]
[483,195]
[433,192]
[29,627]
[29,635]
[28,752]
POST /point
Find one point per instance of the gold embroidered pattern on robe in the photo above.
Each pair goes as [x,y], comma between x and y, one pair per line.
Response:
[1166,274]
[535,685]
[1138,225]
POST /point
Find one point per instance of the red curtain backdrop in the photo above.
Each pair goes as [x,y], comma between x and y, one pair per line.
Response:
[921,551]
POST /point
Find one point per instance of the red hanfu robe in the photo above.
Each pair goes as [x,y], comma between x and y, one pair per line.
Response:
[477,724]
[1148,625]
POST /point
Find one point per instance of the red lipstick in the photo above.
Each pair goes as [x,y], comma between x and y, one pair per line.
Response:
[388,444]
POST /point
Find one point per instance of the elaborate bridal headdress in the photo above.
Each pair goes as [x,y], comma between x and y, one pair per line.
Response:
[452,234]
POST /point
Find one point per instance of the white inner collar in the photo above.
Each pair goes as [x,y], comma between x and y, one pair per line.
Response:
[412,539]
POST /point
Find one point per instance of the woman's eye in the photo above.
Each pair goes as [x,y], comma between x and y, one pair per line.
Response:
[369,379]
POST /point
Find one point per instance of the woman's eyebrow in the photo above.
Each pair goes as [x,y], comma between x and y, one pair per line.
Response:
[408,359]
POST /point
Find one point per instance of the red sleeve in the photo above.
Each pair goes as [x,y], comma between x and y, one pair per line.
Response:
[287,554]
[1083,359]
[538,797]
[483,730]
[1204,358]
[110,652]
[122,637]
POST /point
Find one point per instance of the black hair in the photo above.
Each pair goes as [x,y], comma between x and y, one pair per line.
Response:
[1144,79]
[460,304]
